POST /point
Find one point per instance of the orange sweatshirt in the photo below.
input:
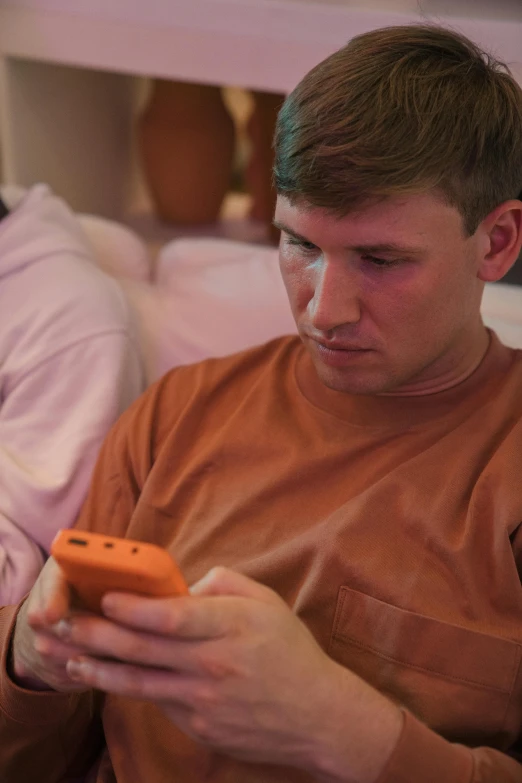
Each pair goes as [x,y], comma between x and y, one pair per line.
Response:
[390,525]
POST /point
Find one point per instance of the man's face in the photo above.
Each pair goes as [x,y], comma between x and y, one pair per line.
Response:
[386,299]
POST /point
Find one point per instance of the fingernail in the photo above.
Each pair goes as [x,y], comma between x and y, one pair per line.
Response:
[109,603]
[75,669]
[63,629]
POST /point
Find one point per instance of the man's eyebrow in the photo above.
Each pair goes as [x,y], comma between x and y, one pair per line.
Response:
[388,247]
[380,247]
[288,230]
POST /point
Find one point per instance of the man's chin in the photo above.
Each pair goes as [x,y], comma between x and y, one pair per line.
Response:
[352,382]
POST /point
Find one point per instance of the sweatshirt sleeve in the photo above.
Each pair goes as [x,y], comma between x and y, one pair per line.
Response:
[53,737]
[53,418]
[422,754]
[44,736]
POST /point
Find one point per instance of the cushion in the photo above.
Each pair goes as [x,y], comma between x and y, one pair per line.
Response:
[217,296]
[502,312]
[120,252]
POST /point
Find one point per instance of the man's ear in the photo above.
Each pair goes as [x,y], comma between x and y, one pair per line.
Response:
[501,231]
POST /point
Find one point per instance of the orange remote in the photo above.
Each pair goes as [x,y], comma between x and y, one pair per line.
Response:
[94,564]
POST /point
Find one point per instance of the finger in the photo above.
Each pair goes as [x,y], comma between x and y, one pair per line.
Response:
[102,638]
[135,682]
[219,605]
[50,598]
[49,647]
[98,637]
[180,618]
[224,581]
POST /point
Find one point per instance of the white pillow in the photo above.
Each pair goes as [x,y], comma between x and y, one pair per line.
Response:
[155,325]
[218,296]
[502,312]
[119,251]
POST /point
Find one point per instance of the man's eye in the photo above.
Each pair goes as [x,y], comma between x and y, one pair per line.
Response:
[306,247]
[381,262]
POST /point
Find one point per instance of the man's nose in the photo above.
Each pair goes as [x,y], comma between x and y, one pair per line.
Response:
[336,300]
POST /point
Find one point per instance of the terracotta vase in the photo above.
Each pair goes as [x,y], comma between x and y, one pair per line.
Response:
[258,173]
[186,142]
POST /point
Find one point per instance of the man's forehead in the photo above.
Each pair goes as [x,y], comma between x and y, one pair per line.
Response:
[400,223]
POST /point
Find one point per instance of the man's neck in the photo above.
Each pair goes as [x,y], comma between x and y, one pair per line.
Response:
[459,367]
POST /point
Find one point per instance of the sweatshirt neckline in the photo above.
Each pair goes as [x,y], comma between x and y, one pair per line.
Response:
[400,412]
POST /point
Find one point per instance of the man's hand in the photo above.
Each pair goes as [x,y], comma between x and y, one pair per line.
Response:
[234,668]
[38,656]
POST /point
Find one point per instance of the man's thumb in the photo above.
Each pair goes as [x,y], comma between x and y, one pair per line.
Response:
[223,581]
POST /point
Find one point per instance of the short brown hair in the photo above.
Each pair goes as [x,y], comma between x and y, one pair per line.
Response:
[398,111]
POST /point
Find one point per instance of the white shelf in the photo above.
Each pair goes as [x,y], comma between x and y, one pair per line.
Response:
[268,44]
[65,87]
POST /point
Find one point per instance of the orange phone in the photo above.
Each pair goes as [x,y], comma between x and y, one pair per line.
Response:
[94,564]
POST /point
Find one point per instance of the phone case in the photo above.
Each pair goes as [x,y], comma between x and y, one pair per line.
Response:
[94,564]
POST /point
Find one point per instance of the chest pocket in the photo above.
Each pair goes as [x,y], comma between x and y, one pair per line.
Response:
[458,681]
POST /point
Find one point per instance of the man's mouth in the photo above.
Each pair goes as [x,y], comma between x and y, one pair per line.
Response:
[339,354]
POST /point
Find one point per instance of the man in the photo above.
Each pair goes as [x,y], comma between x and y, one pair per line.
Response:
[68,368]
[360,486]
